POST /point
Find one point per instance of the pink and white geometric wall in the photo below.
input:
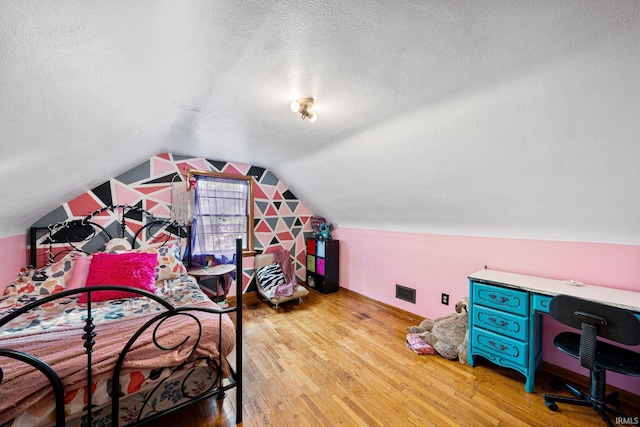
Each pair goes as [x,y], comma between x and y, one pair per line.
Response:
[280,219]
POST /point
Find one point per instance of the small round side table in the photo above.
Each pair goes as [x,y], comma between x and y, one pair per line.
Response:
[202,273]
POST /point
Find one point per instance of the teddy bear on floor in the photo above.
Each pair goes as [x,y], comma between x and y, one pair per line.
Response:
[447,334]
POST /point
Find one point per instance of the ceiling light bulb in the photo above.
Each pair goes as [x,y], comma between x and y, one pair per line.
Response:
[295,106]
[312,117]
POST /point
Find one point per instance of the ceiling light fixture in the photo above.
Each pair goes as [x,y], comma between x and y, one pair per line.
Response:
[304,106]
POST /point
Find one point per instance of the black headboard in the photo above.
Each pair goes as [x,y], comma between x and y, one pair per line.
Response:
[91,233]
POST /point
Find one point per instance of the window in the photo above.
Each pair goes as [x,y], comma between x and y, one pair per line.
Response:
[223,212]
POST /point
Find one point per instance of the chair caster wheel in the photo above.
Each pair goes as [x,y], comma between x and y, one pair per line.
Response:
[612,399]
[557,383]
[551,405]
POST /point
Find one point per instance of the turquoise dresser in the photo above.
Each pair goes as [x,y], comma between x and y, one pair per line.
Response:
[505,316]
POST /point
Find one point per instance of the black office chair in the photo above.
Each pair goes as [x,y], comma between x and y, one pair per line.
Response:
[595,320]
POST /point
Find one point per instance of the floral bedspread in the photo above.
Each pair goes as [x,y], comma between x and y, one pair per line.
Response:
[68,314]
[146,392]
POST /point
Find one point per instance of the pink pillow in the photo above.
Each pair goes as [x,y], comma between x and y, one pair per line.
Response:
[79,273]
[128,269]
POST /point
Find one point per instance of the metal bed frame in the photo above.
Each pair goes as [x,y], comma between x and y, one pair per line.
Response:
[75,235]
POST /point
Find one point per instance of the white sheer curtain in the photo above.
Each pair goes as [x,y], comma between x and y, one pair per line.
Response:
[220,217]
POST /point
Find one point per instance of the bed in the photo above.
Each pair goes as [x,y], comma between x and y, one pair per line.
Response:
[112,324]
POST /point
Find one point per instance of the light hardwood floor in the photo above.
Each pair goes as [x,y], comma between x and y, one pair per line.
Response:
[340,359]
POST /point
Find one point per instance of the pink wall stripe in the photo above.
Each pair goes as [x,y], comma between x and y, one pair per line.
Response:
[372,262]
[13,256]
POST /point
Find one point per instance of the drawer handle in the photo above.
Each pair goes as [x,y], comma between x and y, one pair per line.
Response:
[501,323]
[500,299]
[498,323]
[500,347]
[504,349]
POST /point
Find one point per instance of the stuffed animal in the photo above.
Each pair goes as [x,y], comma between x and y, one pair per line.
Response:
[463,349]
[447,334]
[321,228]
[315,224]
[325,231]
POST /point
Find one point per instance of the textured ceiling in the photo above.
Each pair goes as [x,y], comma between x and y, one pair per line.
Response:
[492,118]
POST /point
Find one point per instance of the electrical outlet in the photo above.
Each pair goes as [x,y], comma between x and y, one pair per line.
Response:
[445,299]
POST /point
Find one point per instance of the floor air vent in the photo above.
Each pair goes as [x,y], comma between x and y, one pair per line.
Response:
[407,294]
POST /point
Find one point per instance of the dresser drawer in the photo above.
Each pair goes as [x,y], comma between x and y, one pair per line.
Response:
[541,303]
[501,322]
[507,350]
[504,299]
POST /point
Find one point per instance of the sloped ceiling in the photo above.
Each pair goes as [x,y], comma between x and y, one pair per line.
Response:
[491,118]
